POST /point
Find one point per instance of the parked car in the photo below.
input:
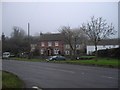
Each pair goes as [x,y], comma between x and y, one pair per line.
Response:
[6,55]
[51,58]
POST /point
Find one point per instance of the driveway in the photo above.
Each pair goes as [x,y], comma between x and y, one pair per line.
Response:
[52,75]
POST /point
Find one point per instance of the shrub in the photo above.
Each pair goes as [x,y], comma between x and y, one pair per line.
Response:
[113,53]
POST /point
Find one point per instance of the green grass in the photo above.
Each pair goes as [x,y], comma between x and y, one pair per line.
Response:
[87,56]
[10,80]
[26,59]
[106,62]
[0,79]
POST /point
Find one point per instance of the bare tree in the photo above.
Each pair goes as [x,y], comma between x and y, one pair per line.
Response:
[68,35]
[97,30]
[18,41]
[18,32]
[72,37]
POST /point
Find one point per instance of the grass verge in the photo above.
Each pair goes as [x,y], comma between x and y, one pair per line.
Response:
[26,59]
[100,62]
[106,62]
[10,80]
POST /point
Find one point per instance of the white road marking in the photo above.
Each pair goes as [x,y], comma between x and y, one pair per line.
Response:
[60,70]
[108,77]
[35,87]
[83,73]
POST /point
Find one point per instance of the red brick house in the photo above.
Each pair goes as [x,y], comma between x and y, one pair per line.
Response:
[54,44]
[51,44]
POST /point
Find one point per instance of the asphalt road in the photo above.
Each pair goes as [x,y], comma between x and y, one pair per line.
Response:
[51,75]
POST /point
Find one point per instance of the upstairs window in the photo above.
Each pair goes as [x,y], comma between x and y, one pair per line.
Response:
[67,46]
[49,43]
[42,44]
[56,43]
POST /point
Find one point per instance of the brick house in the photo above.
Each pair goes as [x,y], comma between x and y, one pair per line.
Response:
[51,44]
[54,44]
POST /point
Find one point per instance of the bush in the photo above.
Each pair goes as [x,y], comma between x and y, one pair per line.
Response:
[113,53]
[36,52]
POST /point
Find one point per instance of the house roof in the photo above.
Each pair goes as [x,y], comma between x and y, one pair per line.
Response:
[34,40]
[59,37]
[105,42]
[51,37]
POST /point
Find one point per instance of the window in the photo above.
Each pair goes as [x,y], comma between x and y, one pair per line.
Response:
[56,51]
[49,43]
[56,43]
[67,46]
[77,46]
[67,52]
[42,51]
[42,44]
[33,46]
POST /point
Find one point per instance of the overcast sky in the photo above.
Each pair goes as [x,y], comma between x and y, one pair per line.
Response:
[50,16]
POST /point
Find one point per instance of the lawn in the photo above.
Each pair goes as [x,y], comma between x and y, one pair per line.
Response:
[100,62]
[26,59]
[10,80]
[87,56]
[107,62]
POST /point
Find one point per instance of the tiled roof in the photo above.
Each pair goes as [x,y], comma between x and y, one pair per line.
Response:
[58,36]
[105,42]
[51,37]
[34,40]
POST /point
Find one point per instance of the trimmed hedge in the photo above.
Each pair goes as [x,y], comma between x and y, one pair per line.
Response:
[113,53]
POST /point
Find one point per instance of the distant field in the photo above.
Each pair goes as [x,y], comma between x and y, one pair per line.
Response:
[107,62]
[10,80]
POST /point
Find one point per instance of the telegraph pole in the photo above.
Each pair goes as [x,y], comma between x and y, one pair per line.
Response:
[29,41]
[28,31]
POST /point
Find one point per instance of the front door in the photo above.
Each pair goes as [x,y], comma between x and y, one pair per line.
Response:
[49,52]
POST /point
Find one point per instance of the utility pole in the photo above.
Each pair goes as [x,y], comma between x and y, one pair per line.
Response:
[28,31]
[29,41]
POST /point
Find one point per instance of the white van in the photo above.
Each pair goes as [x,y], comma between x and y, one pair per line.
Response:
[6,54]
